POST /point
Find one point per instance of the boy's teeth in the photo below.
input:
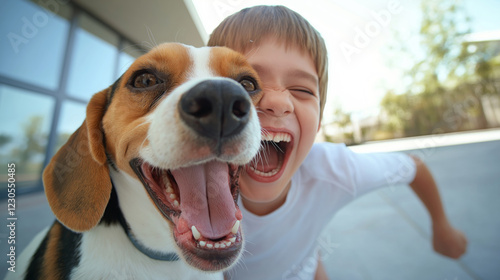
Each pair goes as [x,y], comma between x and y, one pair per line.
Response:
[276,137]
[268,174]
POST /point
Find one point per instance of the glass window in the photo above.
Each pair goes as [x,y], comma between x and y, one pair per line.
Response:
[33,42]
[93,59]
[25,119]
[71,118]
[127,56]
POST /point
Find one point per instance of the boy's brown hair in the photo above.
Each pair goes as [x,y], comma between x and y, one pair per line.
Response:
[244,30]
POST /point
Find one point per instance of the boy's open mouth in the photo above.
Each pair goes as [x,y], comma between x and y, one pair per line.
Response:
[273,156]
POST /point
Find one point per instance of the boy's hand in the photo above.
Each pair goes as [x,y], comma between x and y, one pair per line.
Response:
[449,241]
[446,240]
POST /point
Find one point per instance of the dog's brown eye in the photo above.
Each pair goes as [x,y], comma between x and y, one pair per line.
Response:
[248,85]
[146,80]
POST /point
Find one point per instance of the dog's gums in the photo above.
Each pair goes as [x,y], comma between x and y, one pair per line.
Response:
[200,202]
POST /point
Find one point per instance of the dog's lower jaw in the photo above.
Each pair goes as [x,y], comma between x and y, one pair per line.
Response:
[155,231]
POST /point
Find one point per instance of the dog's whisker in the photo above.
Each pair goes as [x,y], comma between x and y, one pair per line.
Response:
[260,157]
[151,37]
[277,147]
[264,131]
[146,45]
[265,155]
[177,35]
[143,143]
[239,265]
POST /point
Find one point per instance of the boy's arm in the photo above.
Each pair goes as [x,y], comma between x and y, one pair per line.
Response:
[446,239]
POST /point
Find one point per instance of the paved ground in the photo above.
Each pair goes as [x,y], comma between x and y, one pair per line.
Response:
[385,234]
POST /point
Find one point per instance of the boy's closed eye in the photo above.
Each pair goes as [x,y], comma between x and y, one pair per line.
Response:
[302,91]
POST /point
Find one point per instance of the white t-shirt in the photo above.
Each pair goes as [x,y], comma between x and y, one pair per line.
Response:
[283,244]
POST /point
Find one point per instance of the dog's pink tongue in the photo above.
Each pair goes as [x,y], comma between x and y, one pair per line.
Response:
[206,200]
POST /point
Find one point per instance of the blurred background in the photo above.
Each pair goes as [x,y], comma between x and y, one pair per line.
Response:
[424,72]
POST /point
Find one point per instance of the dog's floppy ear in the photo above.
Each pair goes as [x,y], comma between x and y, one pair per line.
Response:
[76,180]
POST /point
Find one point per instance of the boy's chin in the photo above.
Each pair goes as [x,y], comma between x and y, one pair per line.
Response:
[260,192]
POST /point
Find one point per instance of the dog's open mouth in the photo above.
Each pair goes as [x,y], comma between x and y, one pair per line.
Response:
[200,201]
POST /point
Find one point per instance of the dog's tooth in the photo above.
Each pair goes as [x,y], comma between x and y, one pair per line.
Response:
[236,226]
[176,203]
[173,196]
[170,190]
[217,245]
[223,245]
[228,243]
[232,239]
[210,246]
[196,233]
[203,243]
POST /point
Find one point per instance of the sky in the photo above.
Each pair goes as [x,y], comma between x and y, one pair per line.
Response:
[359,72]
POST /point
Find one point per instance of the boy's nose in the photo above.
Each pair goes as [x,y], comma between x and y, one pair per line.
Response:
[276,103]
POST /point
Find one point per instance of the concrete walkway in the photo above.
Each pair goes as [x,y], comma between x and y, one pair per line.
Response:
[386,234]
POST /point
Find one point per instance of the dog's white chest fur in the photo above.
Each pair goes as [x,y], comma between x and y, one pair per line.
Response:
[106,253]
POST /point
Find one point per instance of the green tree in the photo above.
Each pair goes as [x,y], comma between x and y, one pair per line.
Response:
[4,139]
[33,144]
[343,121]
[435,95]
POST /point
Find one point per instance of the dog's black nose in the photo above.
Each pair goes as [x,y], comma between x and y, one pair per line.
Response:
[216,108]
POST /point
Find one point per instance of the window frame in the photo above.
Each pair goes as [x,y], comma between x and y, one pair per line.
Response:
[60,94]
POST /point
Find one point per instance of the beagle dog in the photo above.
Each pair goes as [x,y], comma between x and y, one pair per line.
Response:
[147,187]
